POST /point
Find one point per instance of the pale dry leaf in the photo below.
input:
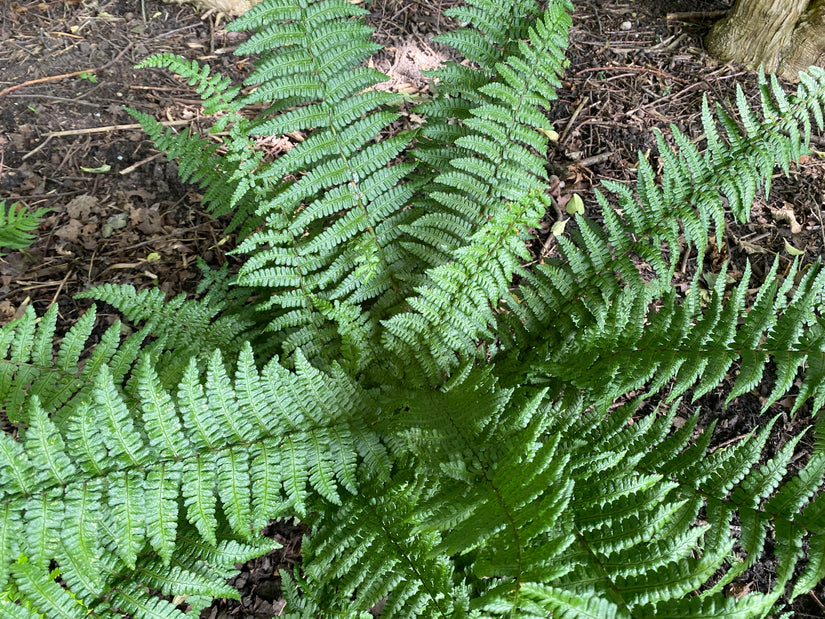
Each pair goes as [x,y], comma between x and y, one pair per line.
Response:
[785,215]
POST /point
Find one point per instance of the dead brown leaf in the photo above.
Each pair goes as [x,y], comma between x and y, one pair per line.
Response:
[70,232]
[81,207]
[147,220]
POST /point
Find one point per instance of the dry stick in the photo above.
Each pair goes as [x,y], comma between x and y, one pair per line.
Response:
[816,599]
[548,243]
[60,287]
[671,44]
[108,128]
[50,98]
[639,69]
[818,212]
[730,441]
[54,78]
[691,15]
[91,264]
[135,166]
[685,260]
[170,235]
[590,161]
[572,119]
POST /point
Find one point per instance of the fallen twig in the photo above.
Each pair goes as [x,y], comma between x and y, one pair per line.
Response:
[696,15]
[60,287]
[572,119]
[639,69]
[55,78]
[589,161]
[135,166]
[106,129]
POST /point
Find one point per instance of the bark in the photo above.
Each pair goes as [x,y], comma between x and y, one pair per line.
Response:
[807,43]
[784,36]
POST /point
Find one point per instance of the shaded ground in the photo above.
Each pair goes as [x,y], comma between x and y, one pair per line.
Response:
[119,213]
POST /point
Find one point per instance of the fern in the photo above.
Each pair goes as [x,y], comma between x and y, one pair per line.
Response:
[464,436]
[16,225]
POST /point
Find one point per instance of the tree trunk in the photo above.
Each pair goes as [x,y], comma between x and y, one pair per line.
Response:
[784,36]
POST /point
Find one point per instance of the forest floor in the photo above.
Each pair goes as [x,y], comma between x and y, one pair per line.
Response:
[119,213]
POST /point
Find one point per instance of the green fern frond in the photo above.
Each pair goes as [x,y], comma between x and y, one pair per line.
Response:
[16,225]
[463,435]
[393,564]
[697,186]
[493,34]
[695,348]
[501,153]
[622,535]
[505,157]
[30,368]
[215,90]
[496,29]
[121,486]
[221,175]
[451,316]
[334,200]
[596,289]
[181,328]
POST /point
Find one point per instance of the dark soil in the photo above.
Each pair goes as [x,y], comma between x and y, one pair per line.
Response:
[118,212]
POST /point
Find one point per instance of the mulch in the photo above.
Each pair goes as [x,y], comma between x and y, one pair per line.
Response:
[119,214]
